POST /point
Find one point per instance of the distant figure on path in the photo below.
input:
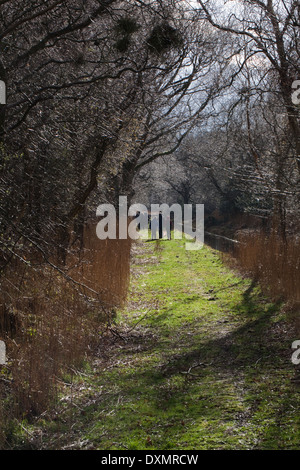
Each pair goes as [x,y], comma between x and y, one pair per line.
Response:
[157,225]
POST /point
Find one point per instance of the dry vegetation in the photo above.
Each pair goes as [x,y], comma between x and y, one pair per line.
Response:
[50,319]
[272,261]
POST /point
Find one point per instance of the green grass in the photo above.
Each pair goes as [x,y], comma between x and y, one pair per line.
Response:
[199,359]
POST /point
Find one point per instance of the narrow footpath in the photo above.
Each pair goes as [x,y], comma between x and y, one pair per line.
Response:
[199,359]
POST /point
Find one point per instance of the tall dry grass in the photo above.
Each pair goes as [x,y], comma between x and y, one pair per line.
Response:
[51,318]
[273,262]
[103,266]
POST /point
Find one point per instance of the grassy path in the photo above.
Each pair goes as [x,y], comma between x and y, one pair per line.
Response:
[200,359]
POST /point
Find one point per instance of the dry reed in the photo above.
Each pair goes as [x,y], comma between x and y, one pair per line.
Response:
[275,263]
[50,319]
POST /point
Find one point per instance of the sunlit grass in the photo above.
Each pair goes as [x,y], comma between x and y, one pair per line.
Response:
[204,364]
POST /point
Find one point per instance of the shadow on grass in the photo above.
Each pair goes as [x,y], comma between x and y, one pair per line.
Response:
[204,385]
[209,397]
[236,347]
